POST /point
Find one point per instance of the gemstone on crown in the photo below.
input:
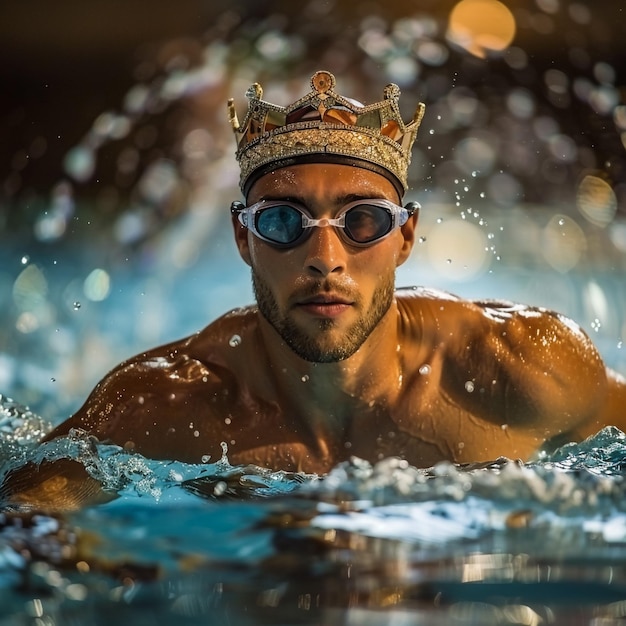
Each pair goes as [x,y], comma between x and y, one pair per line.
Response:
[324,126]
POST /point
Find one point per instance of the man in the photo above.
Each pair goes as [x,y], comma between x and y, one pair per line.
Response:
[332,362]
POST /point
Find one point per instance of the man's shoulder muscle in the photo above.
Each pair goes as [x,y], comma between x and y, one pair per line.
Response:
[509,350]
[167,384]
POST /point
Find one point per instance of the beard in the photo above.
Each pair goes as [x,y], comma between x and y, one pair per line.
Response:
[318,346]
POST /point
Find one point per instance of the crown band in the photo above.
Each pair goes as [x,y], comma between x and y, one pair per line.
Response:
[323,126]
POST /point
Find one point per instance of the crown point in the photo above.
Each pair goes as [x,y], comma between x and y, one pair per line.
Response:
[255,92]
[391,92]
[323,82]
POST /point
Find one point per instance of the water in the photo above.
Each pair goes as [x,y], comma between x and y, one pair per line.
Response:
[497,543]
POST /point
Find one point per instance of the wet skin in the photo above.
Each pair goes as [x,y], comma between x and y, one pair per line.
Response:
[435,377]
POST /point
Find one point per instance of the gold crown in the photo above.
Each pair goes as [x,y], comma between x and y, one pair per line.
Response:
[324,126]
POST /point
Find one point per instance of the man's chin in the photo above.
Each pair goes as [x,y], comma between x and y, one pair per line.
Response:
[322,356]
[324,351]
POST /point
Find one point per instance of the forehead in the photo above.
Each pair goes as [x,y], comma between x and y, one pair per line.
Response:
[321,182]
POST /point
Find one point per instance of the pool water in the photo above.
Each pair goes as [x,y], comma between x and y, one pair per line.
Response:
[498,543]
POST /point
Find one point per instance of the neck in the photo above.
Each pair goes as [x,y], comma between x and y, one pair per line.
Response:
[327,393]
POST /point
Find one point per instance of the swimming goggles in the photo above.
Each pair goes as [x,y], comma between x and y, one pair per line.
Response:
[286,224]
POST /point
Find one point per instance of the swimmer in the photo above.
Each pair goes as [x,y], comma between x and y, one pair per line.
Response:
[333,361]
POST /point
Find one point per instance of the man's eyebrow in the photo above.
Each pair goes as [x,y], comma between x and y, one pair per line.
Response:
[277,197]
[353,197]
[340,200]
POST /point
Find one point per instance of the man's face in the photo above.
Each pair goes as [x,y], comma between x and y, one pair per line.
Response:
[324,297]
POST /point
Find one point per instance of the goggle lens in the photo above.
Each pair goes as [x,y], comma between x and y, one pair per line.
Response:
[366,223]
[280,224]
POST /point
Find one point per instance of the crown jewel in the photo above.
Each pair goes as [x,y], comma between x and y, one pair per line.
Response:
[324,126]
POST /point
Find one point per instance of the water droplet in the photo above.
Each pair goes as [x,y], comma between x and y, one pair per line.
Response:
[76,306]
[448,261]
[53,380]
[439,220]
[596,324]
[305,378]
[206,458]
[25,259]
[561,222]
[220,488]
[422,240]
[469,386]
[424,370]
[620,343]
[234,341]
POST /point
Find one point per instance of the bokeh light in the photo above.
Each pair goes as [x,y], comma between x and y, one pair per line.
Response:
[563,243]
[481,26]
[457,250]
[596,200]
[97,285]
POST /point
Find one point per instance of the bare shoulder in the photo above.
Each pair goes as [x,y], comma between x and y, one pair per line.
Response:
[480,318]
[532,366]
[229,331]
[151,398]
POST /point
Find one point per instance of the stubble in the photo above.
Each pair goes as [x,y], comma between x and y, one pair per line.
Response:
[318,346]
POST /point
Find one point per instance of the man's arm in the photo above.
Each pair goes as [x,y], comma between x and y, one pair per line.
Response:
[52,486]
[146,405]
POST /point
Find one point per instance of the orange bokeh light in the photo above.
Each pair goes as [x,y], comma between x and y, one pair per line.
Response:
[481,26]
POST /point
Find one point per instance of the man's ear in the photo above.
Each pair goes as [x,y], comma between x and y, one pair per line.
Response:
[408,232]
[241,234]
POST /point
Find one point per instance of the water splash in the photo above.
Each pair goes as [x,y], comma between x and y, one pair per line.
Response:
[20,429]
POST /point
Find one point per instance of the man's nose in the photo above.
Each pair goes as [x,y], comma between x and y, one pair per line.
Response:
[325,252]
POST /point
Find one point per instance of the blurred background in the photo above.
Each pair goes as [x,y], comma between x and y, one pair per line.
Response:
[117,162]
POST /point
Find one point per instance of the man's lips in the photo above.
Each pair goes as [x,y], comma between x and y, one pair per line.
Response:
[325,305]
